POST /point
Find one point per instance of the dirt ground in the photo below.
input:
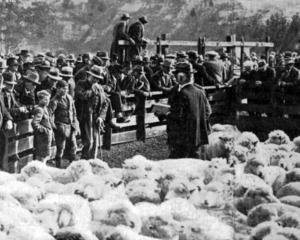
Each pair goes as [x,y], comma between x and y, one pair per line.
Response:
[153,148]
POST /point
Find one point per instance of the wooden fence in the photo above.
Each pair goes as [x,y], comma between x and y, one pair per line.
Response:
[143,124]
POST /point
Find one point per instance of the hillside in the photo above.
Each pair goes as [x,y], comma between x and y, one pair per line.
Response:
[82,25]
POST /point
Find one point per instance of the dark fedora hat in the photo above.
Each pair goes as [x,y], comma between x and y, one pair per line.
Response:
[102,55]
[24,52]
[32,77]
[44,65]
[143,19]
[125,16]
[96,71]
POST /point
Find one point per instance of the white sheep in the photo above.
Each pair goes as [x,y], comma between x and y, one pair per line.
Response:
[296,142]
[220,145]
[78,169]
[60,211]
[293,175]
[114,213]
[27,195]
[143,190]
[290,189]
[6,177]
[291,200]
[100,167]
[274,176]
[264,229]
[156,222]
[248,140]
[278,137]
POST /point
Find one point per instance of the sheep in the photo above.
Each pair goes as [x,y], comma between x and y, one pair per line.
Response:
[254,166]
[275,236]
[248,181]
[278,137]
[28,196]
[100,167]
[71,233]
[59,211]
[225,128]
[139,167]
[293,175]
[216,168]
[238,154]
[213,195]
[143,190]
[6,177]
[269,212]
[254,197]
[179,188]
[292,188]
[248,140]
[291,200]
[125,233]
[274,176]
[290,220]
[264,229]
[220,145]
[114,213]
[78,169]
[296,142]
[290,233]
[207,228]
[157,223]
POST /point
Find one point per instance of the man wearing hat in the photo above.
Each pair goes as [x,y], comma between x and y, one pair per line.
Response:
[24,56]
[67,75]
[148,70]
[5,124]
[164,80]
[43,69]
[13,67]
[49,84]
[120,33]
[136,32]
[289,82]
[91,106]
[25,91]
[263,83]
[15,109]
[66,125]
[200,76]
[188,119]
[181,56]
[215,69]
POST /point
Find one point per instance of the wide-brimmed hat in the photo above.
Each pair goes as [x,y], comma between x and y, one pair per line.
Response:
[43,94]
[143,19]
[184,67]
[54,74]
[3,64]
[44,65]
[9,78]
[192,54]
[170,56]
[96,71]
[32,77]
[181,55]
[71,58]
[125,16]
[212,53]
[24,52]
[103,55]
[66,72]
[97,61]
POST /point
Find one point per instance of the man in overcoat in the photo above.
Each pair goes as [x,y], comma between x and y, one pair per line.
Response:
[188,119]
[92,105]
[120,32]
[136,32]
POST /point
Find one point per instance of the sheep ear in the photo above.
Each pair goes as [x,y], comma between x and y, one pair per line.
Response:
[193,190]
[255,143]
[222,138]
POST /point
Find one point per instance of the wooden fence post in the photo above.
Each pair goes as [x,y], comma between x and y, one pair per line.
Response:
[268,39]
[203,46]
[158,46]
[199,45]
[242,55]
[164,48]
[140,111]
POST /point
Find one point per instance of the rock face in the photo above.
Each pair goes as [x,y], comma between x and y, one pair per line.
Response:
[86,25]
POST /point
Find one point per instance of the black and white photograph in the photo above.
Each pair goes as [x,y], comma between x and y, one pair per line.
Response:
[149,119]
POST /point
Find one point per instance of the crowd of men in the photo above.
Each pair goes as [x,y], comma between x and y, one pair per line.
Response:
[70,96]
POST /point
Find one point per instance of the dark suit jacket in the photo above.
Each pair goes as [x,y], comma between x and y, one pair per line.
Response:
[136,32]
[189,115]
[291,78]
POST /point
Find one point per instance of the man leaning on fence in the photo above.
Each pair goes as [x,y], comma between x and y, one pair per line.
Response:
[188,119]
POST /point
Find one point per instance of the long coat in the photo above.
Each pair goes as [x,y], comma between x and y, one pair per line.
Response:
[136,32]
[187,123]
[119,33]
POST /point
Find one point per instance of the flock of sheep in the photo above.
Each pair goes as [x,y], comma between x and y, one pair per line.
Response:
[248,190]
